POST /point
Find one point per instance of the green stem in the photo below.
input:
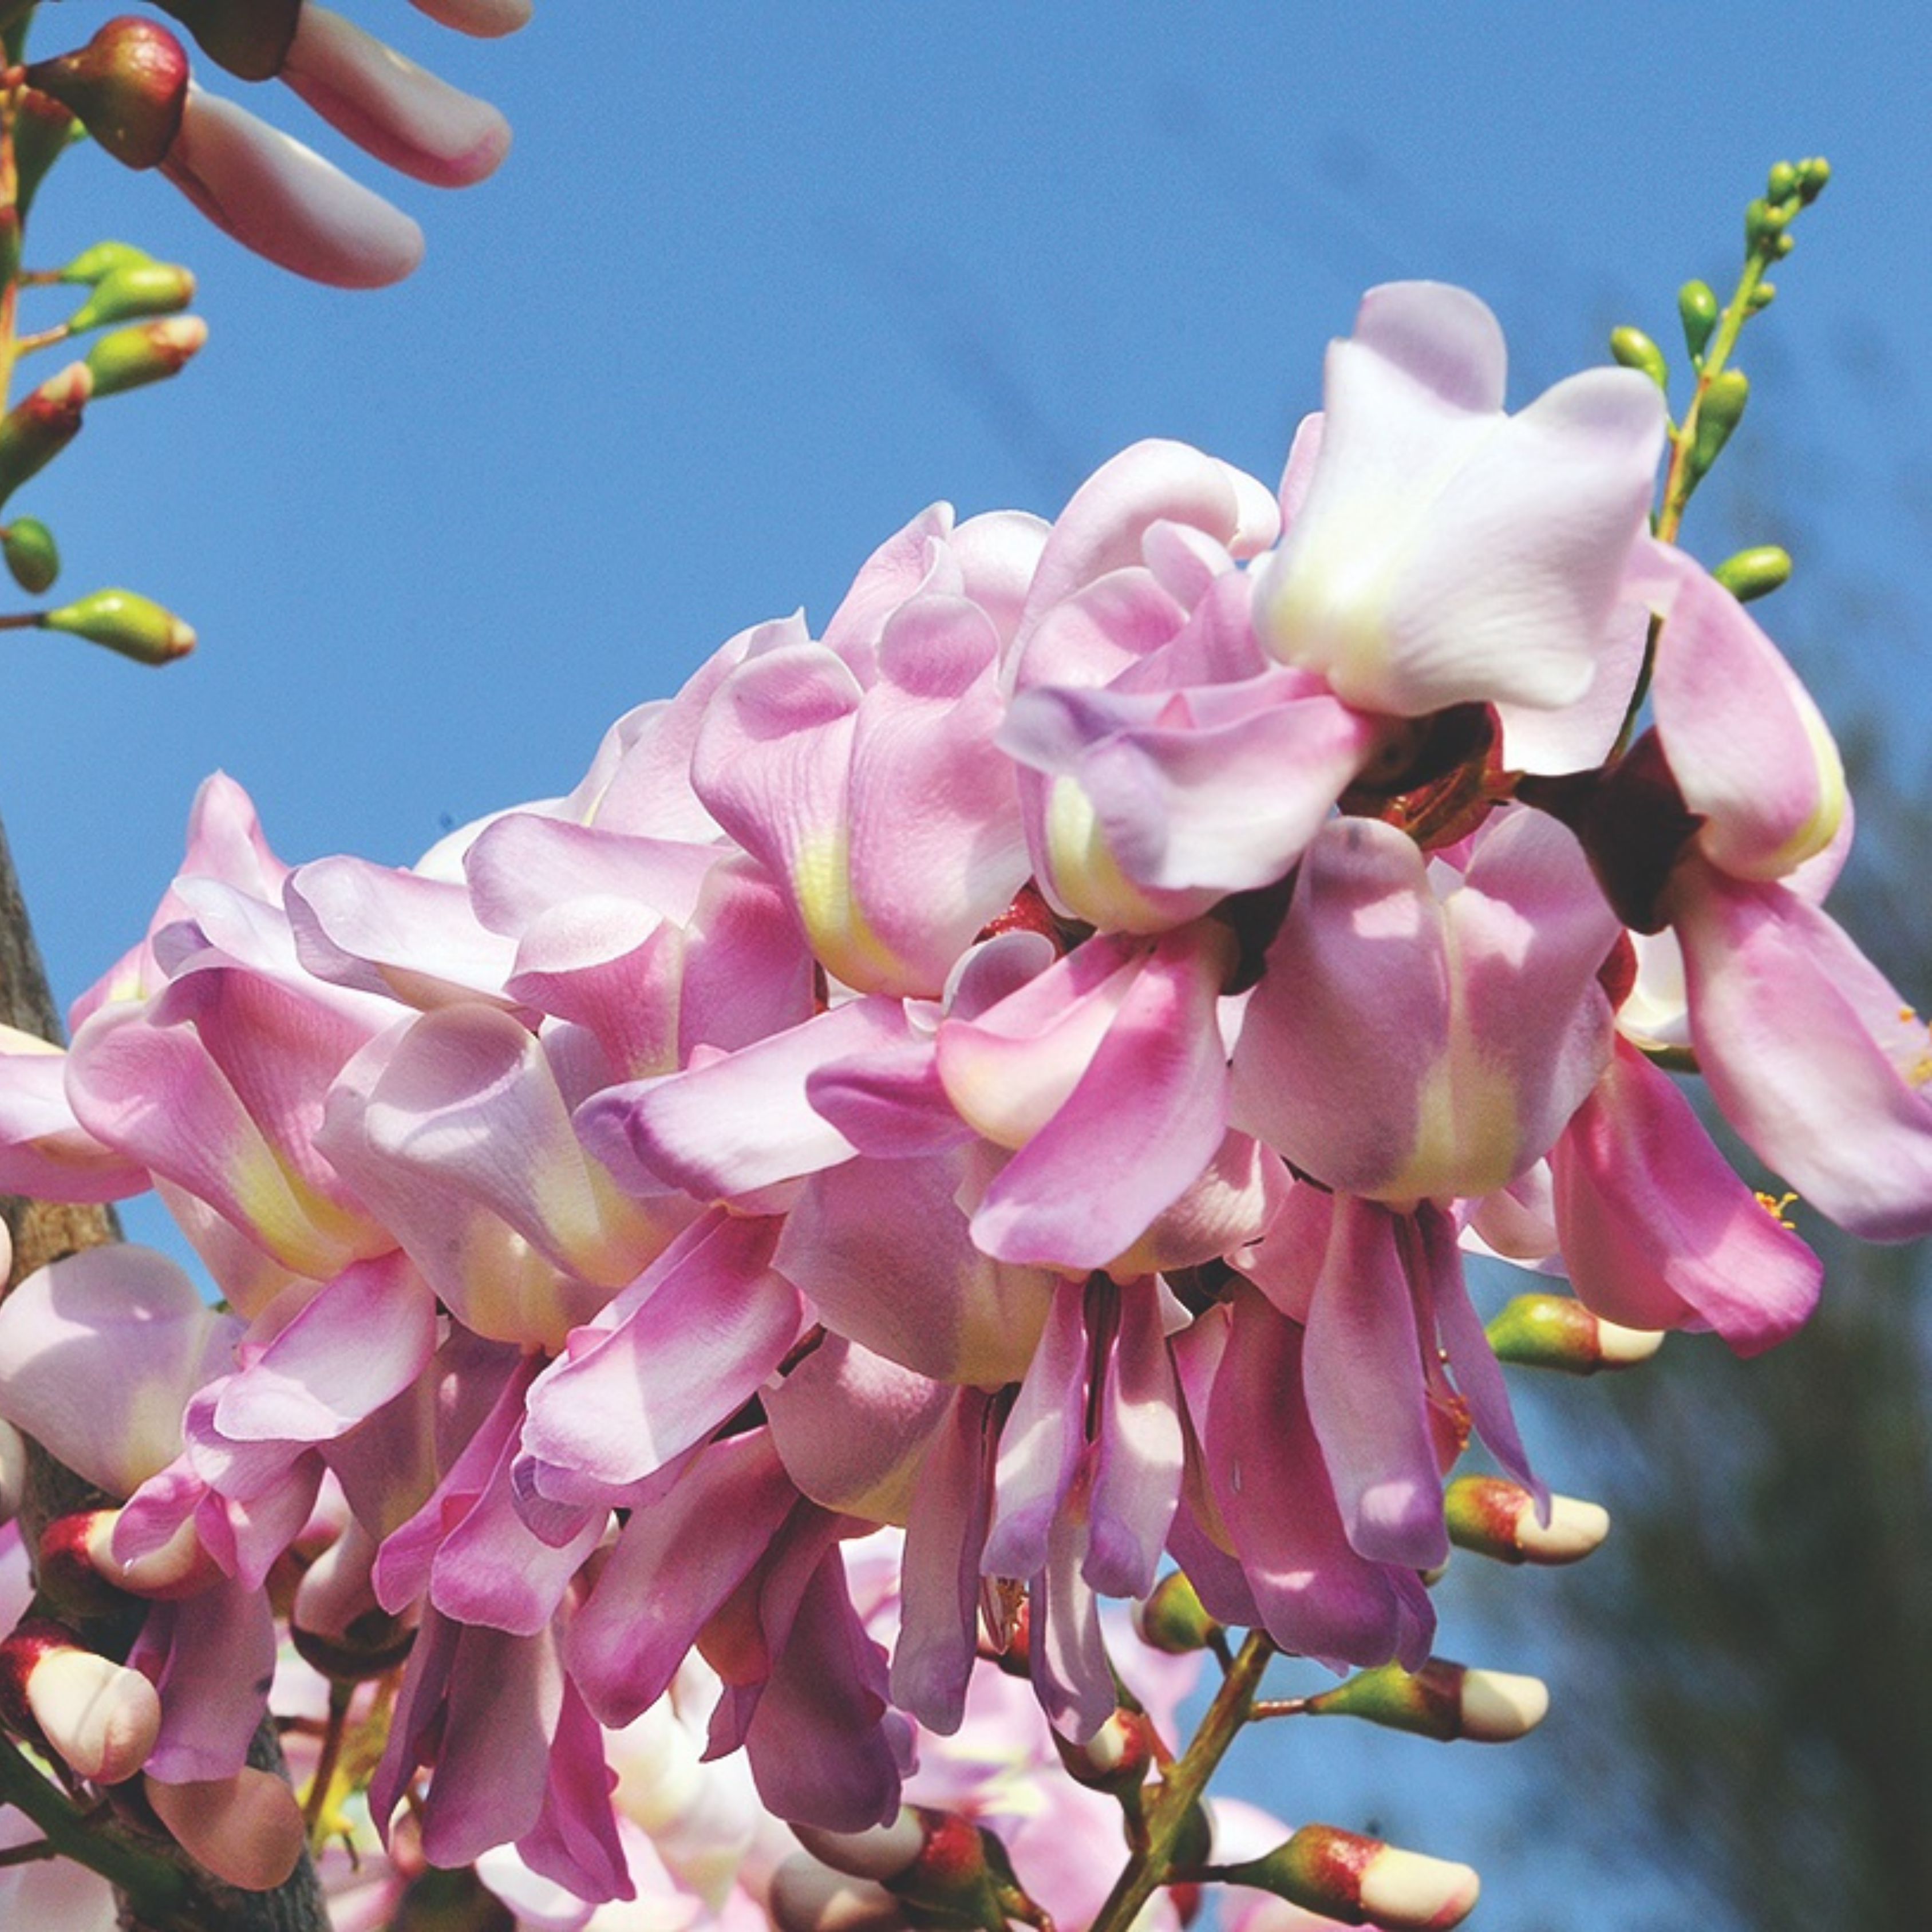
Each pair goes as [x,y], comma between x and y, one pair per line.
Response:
[1168,1815]
[156,1887]
[1679,479]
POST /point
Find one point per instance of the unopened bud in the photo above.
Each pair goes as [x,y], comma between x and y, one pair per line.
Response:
[101,1717]
[1697,309]
[1556,1331]
[247,1828]
[336,1624]
[1442,1700]
[123,621]
[1762,295]
[33,560]
[1174,1619]
[251,38]
[1814,171]
[1719,413]
[1116,1758]
[1497,1518]
[12,1471]
[1358,1880]
[1781,184]
[127,87]
[808,1897]
[1756,572]
[91,265]
[41,424]
[1635,350]
[150,351]
[129,293]
[934,1862]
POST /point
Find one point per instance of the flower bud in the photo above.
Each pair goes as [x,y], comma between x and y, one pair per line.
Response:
[127,87]
[33,560]
[1357,1880]
[1814,171]
[336,1624]
[1556,1331]
[43,130]
[808,1897]
[1781,184]
[933,1861]
[1697,309]
[1442,1700]
[1756,572]
[1635,350]
[12,1471]
[1116,1758]
[135,289]
[103,259]
[1174,1619]
[1720,412]
[101,1717]
[1497,1518]
[69,1578]
[150,351]
[41,424]
[78,1548]
[123,621]
[251,38]
[247,1829]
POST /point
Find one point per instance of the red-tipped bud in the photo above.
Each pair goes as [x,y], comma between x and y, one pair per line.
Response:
[41,424]
[33,558]
[150,351]
[1442,1700]
[808,1897]
[126,87]
[1173,1618]
[70,1578]
[1116,1758]
[1359,1881]
[251,38]
[1556,1331]
[128,293]
[1497,1518]
[99,1716]
[934,1862]
[247,1829]
[123,621]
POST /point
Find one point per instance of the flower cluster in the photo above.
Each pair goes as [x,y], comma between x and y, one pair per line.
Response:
[1026,1064]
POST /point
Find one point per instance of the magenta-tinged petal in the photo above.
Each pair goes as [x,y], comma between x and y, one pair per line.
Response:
[685,1347]
[390,107]
[741,1121]
[354,1347]
[1147,1115]
[681,1557]
[1136,1480]
[1089,639]
[890,1101]
[1040,1443]
[1366,1400]
[818,1746]
[882,1252]
[1745,743]
[123,1319]
[1656,1231]
[906,563]
[284,202]
[1070,1669]
[1810,1053]
[45,1153]
[210,1658]
[575,1840]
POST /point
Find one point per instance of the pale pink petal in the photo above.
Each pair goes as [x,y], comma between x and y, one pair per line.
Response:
[486,19]
[1136,1479]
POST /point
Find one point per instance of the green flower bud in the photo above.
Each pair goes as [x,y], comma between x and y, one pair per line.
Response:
[123,621]
[124,359]
[1782,183]
[128,86]
[28,545]
[1755,572]
[1762,295]
[41,424]
[1442,1700]
[1556,1331]
[103,259]
[1814,171]
[1173,1618]
[135,289]
[1697,309]
[1496,1518]
[1635,350]
[251,38]
[1721,411]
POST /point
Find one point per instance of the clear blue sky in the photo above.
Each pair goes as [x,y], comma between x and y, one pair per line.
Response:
[757,283]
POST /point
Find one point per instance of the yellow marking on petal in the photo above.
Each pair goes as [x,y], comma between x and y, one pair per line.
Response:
[1821,823]
[1775,1205]
[835,926]
[1085,875]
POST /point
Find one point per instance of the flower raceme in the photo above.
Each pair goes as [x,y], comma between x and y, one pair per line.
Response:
[1025,1065]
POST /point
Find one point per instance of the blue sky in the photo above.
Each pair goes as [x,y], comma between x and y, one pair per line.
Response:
[756,283]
